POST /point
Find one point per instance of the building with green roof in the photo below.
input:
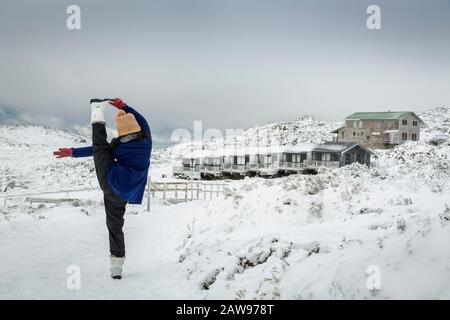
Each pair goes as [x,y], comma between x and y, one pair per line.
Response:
[396,115]
[380,130]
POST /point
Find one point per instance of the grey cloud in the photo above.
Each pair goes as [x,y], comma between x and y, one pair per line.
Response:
[231,63]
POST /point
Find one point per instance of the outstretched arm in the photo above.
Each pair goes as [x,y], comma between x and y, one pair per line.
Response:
[82,152]
[73,152]
[118,103]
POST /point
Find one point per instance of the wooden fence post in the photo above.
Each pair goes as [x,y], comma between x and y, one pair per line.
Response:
[198,190]
[186,192]
[164,190]
[176,192]
[148,194]
[204,191]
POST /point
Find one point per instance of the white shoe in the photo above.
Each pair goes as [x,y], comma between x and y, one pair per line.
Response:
[116,267]
[98,107]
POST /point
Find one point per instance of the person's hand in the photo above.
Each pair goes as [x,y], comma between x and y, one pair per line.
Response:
[118,103]
[63,152]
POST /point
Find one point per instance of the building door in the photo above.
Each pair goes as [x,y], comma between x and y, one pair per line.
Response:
[289,157]
[348,158]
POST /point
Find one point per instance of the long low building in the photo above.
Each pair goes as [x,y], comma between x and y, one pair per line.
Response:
[270,161]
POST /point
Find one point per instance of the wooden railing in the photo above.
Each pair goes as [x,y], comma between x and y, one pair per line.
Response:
[282,165]
[211,168]
[183,190]
[291,165]
[176,191]
[316,163]
[262,168]
[31,197]
[234,167]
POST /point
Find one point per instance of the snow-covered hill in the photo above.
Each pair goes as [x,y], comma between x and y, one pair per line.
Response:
[294,237]
[319,236]
[437,122]
[27,163]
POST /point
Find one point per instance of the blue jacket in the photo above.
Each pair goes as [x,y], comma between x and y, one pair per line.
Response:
[127,174]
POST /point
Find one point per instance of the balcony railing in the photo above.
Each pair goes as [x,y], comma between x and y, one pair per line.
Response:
[193,169]
[291,165]
[258,167]
[314,163]
[212,168]
[235,167]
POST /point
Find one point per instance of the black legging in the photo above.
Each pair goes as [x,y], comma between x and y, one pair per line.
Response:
[114,206]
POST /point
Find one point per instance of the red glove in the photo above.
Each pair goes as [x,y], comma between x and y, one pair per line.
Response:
[118,103]
[63,152]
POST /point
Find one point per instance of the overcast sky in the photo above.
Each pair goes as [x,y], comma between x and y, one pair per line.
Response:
[229,63]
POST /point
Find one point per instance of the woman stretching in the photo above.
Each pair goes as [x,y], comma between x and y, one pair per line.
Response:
[121,167]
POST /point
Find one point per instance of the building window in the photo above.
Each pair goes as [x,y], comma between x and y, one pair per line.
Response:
[414,136]
[368,137]
[342,134]
[414,123]
[357,124]
[405,122]
[326,157]
[404,136]
[354,133]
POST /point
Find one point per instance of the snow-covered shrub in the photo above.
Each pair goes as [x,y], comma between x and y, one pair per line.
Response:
[401,201]
[439,140]
[445,215]
[316,208]
[368,210]
[401,224]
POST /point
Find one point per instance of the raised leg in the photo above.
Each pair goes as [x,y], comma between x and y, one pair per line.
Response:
[102,154]
[103,158]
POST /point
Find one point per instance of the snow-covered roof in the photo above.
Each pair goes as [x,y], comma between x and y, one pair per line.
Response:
[337,129]
[334,146]
[249,151]
[390,115]
[301,148]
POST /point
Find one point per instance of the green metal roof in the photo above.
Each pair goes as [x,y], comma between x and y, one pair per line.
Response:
[380,115]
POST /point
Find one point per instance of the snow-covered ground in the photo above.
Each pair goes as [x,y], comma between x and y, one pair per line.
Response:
[352,233]
[38,252]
